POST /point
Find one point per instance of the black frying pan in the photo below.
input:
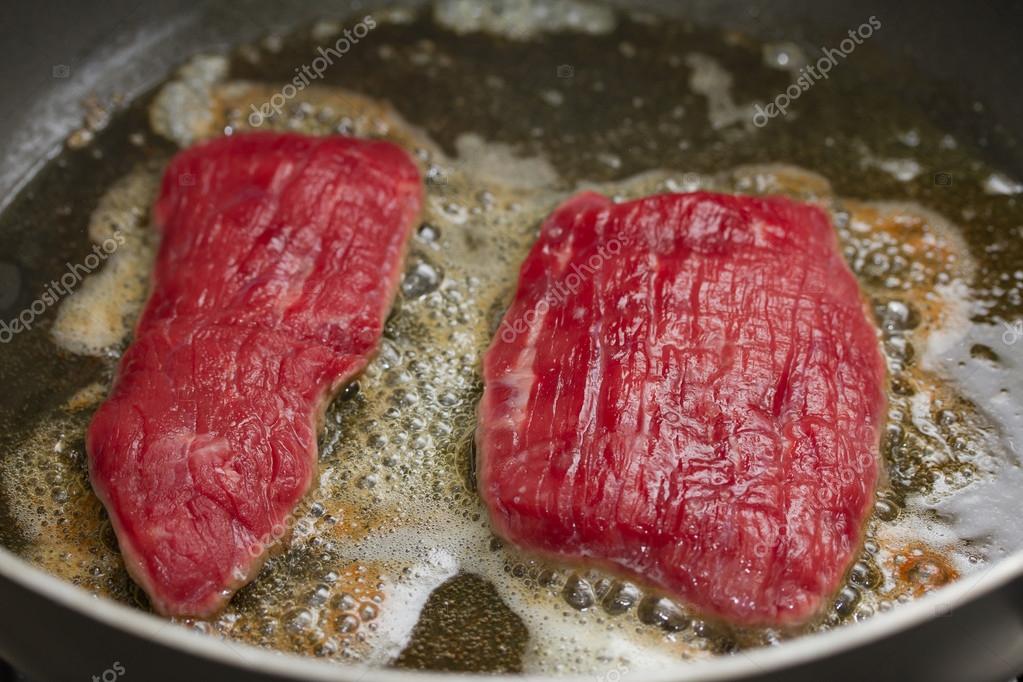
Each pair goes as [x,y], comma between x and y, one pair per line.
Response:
[963,53]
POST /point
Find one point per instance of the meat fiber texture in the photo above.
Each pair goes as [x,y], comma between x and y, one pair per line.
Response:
[279,260]
[687,389]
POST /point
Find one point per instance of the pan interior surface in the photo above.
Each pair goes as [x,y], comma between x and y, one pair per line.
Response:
[390,560]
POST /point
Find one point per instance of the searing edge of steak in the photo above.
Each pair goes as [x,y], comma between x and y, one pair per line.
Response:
[744,496]
[280,257]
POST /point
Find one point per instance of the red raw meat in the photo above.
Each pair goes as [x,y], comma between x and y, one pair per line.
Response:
[687,388]
[279,260]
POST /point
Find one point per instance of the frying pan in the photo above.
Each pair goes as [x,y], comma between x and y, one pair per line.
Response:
[970,630]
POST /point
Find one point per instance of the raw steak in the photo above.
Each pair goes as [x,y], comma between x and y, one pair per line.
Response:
[279,259]
[686,388]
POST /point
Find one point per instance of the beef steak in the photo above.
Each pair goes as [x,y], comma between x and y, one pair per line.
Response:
[279,259]
[687,389]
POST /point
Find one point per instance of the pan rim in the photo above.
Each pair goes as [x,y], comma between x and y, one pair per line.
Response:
[803,649]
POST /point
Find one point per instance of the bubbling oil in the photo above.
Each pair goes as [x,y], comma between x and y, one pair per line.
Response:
[394,516]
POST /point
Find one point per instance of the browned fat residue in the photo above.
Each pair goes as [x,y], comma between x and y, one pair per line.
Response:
[337,618]
[784,179]
[918,569]
[87,398]
[910,251]
[351,523]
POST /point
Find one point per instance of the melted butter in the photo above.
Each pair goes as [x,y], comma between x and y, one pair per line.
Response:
[96,318]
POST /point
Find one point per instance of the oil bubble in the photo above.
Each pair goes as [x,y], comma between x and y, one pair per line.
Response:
[578,593]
